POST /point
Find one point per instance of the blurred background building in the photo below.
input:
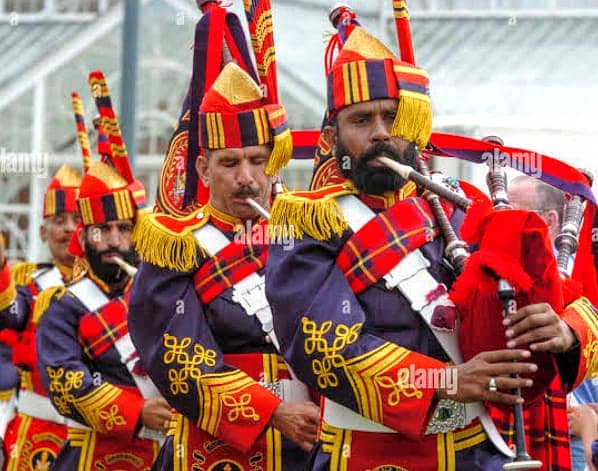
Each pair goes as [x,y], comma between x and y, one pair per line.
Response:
[526,70]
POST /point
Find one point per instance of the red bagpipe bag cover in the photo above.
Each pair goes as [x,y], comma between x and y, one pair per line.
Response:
[512,245]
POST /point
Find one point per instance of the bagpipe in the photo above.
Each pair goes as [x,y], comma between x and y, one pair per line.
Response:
[514,263]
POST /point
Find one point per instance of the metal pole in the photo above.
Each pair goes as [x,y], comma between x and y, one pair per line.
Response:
[129,76]
[382,21]
[35,188]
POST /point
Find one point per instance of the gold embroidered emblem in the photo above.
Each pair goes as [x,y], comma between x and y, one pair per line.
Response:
[315,342]
[61,385]
[590,354]
[111,417]
[188,364]
[398,387]
[239,408]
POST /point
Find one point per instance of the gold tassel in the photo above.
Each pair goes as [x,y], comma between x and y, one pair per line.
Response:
[413,121]
[160,246]
[282,151]
[22,272]
[44,299]
[294,216]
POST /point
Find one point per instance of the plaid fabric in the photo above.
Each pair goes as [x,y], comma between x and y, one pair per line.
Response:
[99,330]
[233,263]
[377,247]
[547,433]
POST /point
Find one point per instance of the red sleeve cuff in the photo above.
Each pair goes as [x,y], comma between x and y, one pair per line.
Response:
[580,316]
[245,415]
[121,415]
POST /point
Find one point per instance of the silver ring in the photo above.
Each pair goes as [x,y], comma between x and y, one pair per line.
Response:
[492,385]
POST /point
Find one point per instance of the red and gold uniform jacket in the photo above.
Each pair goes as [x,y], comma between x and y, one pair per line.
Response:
[349,332]
[209,357]
[84,368]
[34,437]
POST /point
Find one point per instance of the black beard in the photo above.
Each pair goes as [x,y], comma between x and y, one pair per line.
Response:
[109,273]
[374,180]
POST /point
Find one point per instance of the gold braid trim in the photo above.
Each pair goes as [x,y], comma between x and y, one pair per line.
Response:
[295,215]
[172,248]
[44,299]
[21,273]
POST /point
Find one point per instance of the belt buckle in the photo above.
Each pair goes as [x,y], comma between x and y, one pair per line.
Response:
[251,296]
[448,416]
[275,387]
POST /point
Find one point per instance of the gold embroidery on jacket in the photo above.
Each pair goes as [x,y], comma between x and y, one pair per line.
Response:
[61,385]
[188,364]
[316,342]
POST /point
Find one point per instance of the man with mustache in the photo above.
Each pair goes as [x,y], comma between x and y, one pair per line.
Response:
[209,345]
[37,432]
[357,302]
[86,359]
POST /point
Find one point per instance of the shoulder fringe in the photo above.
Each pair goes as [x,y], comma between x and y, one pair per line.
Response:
[44,299]
[161,246]
[294,216]
[22,273]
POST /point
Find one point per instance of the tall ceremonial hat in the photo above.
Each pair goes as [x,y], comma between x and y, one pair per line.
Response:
[364,70]
[62,193]
[109,192]
[234,114]
[219,38]
[344,20]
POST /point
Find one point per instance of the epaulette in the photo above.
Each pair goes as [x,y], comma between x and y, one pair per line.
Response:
[168,241]
[315,213]
[44,299]
[22,272]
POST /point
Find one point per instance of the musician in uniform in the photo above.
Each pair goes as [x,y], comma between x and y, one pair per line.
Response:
[209,344]
[36,434]
[86,359]
[356,298]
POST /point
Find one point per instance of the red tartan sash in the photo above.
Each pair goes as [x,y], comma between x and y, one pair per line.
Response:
[233,263]
[99,330]
[381,243]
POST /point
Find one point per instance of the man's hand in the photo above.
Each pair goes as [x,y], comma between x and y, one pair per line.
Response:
[540,327]
[473,377]
[298,421]
[156,414]
[582,421]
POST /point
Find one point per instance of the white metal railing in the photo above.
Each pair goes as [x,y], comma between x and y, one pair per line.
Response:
[494,5]
[44,8]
